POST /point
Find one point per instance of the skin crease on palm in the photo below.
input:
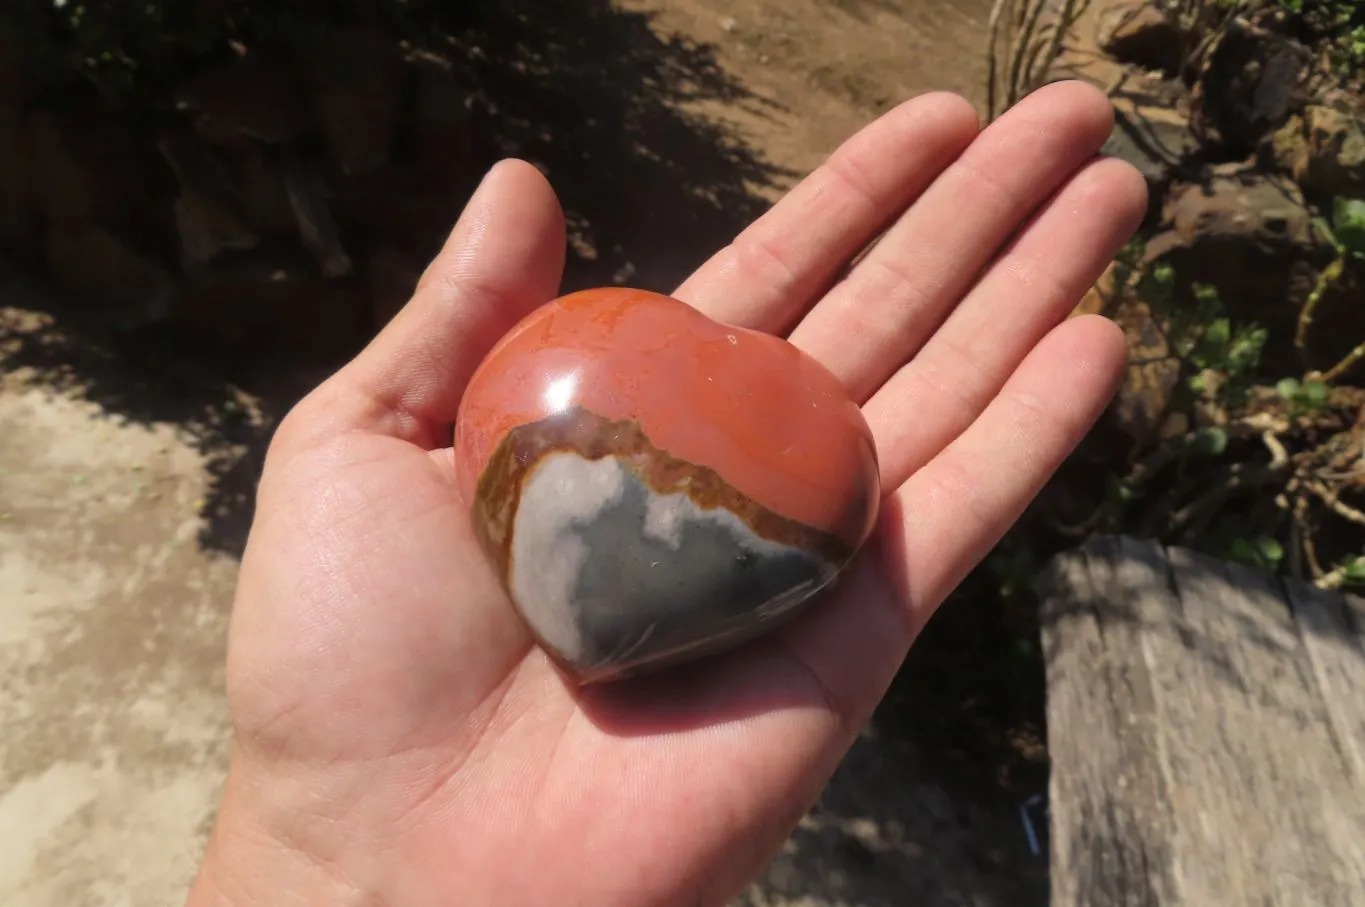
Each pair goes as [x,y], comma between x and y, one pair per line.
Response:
[400,741]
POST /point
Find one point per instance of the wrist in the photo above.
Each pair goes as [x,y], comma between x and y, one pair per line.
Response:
[248,861]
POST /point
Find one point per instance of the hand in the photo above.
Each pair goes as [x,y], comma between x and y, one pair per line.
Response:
[399,740]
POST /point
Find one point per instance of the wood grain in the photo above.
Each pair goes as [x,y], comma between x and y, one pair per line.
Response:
[1207,733]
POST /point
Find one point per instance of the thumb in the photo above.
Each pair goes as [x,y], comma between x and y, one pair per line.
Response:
[504,258]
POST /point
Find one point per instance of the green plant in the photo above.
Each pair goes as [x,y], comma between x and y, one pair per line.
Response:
[1337,12]
[1339,21]
[1350,572]
[1245,465]
[1255,476]
[1302,396]
[1354,44]
[1346,235]
[1218,357]
[1225,355]
[1234,540]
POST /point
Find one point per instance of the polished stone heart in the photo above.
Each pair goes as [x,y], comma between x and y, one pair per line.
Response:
[653,486]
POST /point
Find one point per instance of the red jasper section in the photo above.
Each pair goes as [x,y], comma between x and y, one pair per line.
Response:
[770,420]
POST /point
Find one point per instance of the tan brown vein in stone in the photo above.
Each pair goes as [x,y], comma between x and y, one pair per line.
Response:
[580,431]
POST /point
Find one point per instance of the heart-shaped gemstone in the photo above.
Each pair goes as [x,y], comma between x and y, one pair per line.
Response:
[652,485]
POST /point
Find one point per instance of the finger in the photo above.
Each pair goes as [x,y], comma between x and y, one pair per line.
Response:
[948,516]
[942,522]
[504,258]
[778,267]
[893,300]
[1022,297]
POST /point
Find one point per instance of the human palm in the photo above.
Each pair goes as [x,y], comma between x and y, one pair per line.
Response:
[400,740]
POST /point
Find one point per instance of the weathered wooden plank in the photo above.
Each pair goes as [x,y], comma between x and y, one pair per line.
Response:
[1266,811]
[1333,629]
[1205,748]
[1109,811]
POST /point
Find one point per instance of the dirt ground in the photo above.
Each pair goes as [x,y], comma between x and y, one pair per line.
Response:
[820,69]
[123,504]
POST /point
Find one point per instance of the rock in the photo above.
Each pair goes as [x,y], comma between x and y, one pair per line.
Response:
[356,83]
[1249,235]
[89,168]
[1254,81]
[65,190]
[1139,34]
[1141,408]
[13,87]
[1102,297]
[208,231]
[260,191]
[268,302]
[1324,150]
[443,130]
[398,207]
[100,271]
[254,98]
[638,509]
[1287,149]
[17,201]
[313,215]
[1154,135]
[19,224]
[1264,213]
[208,223]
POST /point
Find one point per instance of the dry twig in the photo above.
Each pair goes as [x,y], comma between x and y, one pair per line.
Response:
[1329,275]
[1329,497]
[1032,47]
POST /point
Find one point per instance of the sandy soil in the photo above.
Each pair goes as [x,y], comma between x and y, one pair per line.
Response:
[820,69]
[122,504]
[111,627]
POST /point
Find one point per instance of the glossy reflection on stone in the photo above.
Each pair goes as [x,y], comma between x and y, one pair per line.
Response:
[653,486]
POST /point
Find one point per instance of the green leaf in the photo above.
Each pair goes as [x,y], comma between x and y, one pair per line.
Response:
[1245,350]
[1155,285]
[1271,550]
[1304,395]
[1206,294]
[1242,551]
[1263,552]
[1219,332]
[1348,221]
[1208,442]
[1211,350]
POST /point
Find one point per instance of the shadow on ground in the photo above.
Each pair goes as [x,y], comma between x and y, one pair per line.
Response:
[888,831]
[591,94]
[614,114]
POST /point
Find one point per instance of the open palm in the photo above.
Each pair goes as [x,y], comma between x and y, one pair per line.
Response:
[399,738]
